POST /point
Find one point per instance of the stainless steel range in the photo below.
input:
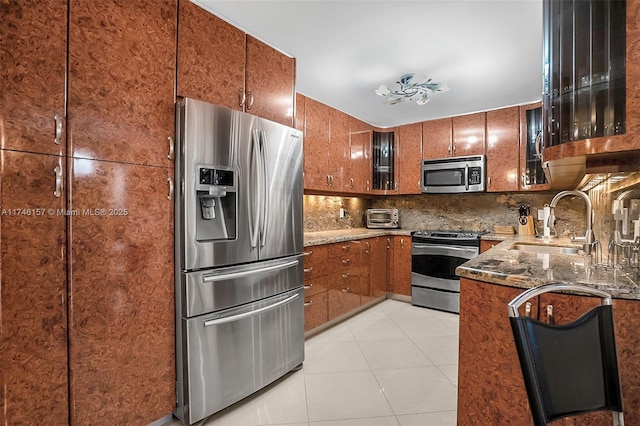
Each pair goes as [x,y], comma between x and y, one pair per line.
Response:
[435,255]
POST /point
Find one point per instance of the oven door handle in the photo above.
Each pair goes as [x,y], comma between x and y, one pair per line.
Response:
[418,249]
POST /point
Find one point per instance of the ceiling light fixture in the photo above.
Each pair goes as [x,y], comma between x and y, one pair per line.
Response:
[412,88]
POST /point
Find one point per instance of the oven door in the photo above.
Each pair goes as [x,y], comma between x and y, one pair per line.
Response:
[434,265]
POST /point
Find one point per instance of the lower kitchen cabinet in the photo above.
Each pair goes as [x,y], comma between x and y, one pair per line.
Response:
[379,265]
[121,293]
[344,277]
[315,287]
[401,266]
[491,389]
[33,291]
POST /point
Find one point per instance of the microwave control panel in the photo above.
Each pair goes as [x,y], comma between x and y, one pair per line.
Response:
[475,175]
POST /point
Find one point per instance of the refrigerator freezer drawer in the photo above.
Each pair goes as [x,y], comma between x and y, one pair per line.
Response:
[222,288]
[235,352]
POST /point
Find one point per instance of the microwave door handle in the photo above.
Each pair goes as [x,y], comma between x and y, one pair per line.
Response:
[466,177]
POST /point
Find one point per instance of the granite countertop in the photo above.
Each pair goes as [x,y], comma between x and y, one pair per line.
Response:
[336,236]
[515,268]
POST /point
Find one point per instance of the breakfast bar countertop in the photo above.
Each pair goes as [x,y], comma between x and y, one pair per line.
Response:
[506,265]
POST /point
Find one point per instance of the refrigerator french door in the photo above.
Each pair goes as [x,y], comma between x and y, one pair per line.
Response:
[239,301]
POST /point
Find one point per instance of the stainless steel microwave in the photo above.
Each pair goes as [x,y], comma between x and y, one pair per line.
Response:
[383,218]
[454,175]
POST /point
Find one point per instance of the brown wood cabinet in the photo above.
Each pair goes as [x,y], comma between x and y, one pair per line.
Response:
[469,134]
[401,266]
[315,287]
[379,266]
[33,291]
[338,155]
[33,52]
[409,158]
[490,385]
[531,174]
[316,145]
[220,64]
[487,245]
[360,161]
[120,91]
[503,136]
[345,261]
[437,137]
[121,311]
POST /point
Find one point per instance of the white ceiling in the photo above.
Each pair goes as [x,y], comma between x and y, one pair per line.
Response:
[488,52]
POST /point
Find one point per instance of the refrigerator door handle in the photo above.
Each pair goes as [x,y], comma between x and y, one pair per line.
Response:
[232,275]
[265,189]
[232,318]
[254,189]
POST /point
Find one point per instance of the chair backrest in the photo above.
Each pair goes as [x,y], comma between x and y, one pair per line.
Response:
[568,369]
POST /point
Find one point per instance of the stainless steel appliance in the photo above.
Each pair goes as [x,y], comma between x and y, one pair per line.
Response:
[238,233]
[454,174]
[383,218]
[435,255]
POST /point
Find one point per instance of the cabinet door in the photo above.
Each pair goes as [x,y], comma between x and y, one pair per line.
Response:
[401,269]
[531,174]
[409,155]
[121,325]
[270,83]
[121,69]
[468,134]
[503,135]
[626,314]
[491,389]
[316,145]
[360,164]
[338,153]
[344,293]
[437,138]
[33,55]
[210,58]
[298,119]
[487,245]
[33,291]
[379,265]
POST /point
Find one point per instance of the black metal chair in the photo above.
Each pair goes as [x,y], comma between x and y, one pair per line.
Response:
[568,369]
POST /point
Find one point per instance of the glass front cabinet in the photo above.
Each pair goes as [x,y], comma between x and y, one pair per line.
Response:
[583,70]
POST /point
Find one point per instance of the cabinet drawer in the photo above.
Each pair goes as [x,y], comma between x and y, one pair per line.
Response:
[315,262]
[315,310]
[315,286]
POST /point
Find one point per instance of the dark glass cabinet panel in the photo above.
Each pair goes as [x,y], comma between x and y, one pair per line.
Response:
[383,161]
[584,69]
[533,174]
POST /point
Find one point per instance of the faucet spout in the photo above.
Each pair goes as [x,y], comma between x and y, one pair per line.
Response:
[589,238]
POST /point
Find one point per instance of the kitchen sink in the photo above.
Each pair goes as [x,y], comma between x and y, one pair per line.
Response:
[546,248]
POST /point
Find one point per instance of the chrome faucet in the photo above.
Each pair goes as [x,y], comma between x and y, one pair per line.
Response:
[589,239]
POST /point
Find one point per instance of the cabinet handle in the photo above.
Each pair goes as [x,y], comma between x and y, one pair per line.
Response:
[489,181]
[170,196]
[527,309]
[242,98]
[346,261]
[454,150]
[550,319]
[388,243]
[368,187]
[250,104]
[307,253]
[419,186]
[402,243]
[351,182]
[307,287]
[172,144]
[309,303]
[345,275]
[58,120]
[308,269]
[58,192]
[346,247]
[450,149]
[345,290]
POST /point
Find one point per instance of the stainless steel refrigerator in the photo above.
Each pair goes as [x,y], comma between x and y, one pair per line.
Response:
[239,276]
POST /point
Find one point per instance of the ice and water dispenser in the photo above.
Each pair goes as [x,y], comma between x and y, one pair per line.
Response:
[216,194]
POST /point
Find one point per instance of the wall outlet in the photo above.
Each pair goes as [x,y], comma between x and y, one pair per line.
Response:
[341,214]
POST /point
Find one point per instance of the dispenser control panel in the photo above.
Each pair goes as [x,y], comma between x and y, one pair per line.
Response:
[216,177]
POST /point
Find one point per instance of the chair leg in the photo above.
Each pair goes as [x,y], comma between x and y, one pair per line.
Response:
[618,418]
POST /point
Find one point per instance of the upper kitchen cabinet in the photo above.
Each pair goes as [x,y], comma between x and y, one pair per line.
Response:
[220,64]
[409,151]
[532,176]
[437,138]
[383,157]
[360,135]
[316,145]
[503,133]
[591,77]
[33,55]
[270,83]
[468,134]
[298,118]
[338,154]
[211,58]
[121,73]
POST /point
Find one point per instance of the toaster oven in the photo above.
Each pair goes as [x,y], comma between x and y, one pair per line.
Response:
[383,218]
